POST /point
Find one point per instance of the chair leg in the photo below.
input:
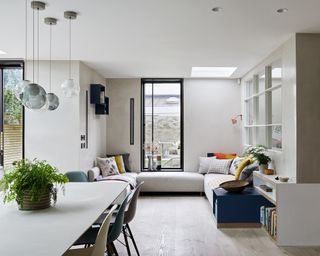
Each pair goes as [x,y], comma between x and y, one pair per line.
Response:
[114,249]
[133,241]
[126,240]
[109,251]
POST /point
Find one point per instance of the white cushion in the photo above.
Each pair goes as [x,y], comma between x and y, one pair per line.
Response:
[171,181]
[212,181]
[204,164]
[93,174]
[219,166]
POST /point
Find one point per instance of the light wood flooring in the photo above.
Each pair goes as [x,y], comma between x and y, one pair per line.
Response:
[184,226]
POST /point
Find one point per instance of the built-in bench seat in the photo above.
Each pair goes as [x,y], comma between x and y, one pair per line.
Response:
[171,181]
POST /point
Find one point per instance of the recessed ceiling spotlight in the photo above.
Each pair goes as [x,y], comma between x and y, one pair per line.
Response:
[217,9]
[2,52]
[282,10]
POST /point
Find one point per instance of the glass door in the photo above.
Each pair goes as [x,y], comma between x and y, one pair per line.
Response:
[11,114]
[162,123]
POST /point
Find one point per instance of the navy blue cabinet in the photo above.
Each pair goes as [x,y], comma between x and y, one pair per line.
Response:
[238,209]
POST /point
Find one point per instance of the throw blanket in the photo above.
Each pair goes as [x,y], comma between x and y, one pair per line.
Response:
[122,177]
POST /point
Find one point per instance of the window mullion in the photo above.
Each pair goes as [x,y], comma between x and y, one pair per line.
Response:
[268,105]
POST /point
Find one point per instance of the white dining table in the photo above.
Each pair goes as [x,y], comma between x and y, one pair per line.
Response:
[52,231]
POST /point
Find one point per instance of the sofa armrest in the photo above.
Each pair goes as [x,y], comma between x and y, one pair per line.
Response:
[93,174]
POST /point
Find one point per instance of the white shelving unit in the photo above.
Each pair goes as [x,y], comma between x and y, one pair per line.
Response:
[270,181]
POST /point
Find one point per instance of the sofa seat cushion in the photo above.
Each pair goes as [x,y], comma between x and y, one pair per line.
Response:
[212,181]
[171,181]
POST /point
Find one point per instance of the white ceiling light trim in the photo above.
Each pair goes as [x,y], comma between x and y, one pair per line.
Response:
[3,52]
[216,72]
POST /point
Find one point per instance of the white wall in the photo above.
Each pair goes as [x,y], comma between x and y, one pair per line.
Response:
[55,135]
[285,160]
[209,106]
[118,134]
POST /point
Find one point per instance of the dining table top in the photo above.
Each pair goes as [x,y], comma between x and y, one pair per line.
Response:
[50,232]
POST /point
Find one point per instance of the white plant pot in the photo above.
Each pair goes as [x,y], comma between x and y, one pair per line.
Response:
[262,168]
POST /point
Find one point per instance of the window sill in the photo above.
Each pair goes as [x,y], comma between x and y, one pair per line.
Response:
[164,170]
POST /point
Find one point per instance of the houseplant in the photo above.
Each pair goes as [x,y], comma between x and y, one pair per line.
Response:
[258,153]
[32,184]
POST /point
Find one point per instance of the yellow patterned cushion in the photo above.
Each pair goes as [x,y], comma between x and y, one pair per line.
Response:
[241,166]
[120,164]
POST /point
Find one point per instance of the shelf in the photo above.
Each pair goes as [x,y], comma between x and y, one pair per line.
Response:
[271,178]
[274,238]
[270,196]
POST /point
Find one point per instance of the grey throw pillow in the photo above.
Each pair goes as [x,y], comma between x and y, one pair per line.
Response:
[247,172]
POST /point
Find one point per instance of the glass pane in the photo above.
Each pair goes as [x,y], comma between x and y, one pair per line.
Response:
[276,107]
[277,137]
[260,136]
[249,136]
[261,105]
[249,88]
[148,123]
[167,123]
[262,85]
[276,74]
[249,111]
[12,118]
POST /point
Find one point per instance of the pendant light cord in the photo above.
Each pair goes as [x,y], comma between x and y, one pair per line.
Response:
[50,57]
[33,48]
[70,47]
[38,45]
[26,38]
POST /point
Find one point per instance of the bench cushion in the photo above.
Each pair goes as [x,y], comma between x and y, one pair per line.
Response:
[171,181]
[212,181]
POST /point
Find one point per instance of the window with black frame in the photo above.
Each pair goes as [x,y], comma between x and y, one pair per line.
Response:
[11,114]
[162,124]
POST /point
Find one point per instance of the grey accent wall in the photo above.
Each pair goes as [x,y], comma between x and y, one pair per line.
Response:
[308,107]
[118,129]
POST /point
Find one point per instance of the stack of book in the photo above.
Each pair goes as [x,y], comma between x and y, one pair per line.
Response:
[268,218]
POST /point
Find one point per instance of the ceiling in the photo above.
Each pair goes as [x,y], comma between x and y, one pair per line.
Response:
[161,38]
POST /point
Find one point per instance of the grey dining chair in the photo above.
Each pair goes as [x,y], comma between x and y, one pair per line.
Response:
[77,176]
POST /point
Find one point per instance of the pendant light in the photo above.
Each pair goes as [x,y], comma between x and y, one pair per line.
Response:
[69,87]
[19,86]
[52,99]
[33,95]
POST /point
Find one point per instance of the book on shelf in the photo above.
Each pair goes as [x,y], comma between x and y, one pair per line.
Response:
[265,188]
[268,218]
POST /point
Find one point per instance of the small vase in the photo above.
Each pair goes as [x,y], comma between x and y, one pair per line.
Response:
[43,202]
[262,168]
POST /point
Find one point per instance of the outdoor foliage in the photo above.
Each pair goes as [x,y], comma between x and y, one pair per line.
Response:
[33,177]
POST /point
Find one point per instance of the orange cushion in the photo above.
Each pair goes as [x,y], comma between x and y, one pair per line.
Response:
[225,155]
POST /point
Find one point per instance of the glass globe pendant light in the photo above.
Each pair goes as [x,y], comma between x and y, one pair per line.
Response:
[19,86]
[33,95]
[69,87]
[52,99]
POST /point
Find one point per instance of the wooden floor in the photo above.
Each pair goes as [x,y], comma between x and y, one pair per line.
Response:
[184,226]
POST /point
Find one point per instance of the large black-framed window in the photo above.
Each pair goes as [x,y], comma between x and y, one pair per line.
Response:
[162,123]
[11,113]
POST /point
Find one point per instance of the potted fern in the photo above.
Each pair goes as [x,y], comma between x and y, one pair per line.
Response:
[258,153]
[32,184]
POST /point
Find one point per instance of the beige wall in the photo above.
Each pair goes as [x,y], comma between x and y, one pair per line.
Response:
[118,129]
[96,123]
[308,107]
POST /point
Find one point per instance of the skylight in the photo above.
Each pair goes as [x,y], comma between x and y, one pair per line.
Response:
[218,72]
[2,52]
